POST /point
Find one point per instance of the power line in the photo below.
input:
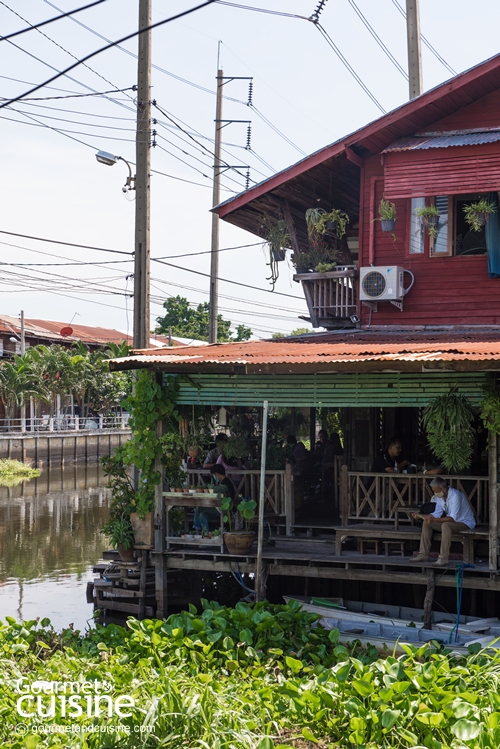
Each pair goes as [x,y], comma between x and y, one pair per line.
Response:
[106,47]
[427,42]
[67,244]
[76,96]
[208,252]
[349,67]
[50,20]
[226,280]
[276,130]
[262,10]
[379,41]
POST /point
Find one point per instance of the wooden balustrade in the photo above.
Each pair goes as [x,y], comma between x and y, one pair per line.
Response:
[330,296]
[277,492]
[379,496]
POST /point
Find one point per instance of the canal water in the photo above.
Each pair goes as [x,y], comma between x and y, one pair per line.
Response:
[49,541]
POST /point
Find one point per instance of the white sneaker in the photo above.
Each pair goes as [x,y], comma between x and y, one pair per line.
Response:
[420,558]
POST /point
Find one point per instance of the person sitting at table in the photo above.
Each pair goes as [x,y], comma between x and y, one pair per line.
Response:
[214,453]
[299,456]
[203,515]
[453,514]
[333,448]
[319,447]
[389,461]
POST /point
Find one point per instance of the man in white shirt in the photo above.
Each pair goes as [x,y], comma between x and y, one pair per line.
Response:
[453,514]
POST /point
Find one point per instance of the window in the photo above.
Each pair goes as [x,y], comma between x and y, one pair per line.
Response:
[416,229]
[454,235]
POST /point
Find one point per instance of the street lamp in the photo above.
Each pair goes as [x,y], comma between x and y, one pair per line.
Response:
[109,159]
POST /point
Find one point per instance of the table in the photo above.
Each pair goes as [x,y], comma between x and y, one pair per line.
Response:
[183,499]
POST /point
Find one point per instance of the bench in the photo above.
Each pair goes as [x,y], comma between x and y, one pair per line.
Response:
[390,535]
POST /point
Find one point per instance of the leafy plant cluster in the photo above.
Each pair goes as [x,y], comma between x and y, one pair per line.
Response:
[448,422]
[45,372]
[490,405]
[253,677]
[476,214]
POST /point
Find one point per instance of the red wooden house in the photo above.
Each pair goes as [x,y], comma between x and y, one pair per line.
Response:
[441,149]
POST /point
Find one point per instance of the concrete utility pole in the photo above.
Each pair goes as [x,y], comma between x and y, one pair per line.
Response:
[142,186]
[214,261]
[23,349]
[414,47]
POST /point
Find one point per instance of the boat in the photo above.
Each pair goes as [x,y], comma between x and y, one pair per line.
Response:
[386,627]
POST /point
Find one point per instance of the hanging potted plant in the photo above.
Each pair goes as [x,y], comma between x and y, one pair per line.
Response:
[303,261]
[429,215]
[387,213]
[448,422]
[278,241]
[320,223]
[477,214]
[238,519]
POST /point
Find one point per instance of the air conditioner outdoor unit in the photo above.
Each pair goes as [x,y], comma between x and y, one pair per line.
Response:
[381,284]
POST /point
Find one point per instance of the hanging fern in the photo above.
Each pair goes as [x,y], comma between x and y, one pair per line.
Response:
[490,406]
[449,430]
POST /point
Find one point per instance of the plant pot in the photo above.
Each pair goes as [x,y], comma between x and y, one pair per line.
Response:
[143,529]
[302,269]
[279,255]
[126,555]
[239,542]
[331,228]
[482,218]
[431,221]
[388,224]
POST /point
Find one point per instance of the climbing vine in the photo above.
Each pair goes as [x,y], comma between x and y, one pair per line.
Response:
[149,403]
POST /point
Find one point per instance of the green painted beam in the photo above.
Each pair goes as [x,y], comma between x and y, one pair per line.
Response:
[333,390]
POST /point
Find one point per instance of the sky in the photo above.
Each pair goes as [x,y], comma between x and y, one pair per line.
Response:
[304,98]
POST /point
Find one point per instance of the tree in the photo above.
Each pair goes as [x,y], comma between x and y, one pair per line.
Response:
[188,322]
[297,331]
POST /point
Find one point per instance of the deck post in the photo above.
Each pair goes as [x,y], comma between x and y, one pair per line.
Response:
[289,501]
[160,524]
[259,567]
[493,499]
[429,597]
[344,495]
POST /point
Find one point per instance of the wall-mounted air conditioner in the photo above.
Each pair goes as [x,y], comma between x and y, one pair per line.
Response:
[381,284]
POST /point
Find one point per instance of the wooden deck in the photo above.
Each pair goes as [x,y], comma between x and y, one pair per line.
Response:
[315,558]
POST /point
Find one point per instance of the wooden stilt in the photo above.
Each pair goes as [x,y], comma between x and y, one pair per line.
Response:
[429,597]
[493,503]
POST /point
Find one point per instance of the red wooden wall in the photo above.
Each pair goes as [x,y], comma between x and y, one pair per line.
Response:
[447,290]
[482,114]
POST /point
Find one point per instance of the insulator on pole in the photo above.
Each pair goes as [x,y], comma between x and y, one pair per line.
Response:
[249,138]
[250,93]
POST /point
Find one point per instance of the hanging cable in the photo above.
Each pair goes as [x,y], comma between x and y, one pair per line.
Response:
[379,40]
[50,20]
[106,47]
[349,67]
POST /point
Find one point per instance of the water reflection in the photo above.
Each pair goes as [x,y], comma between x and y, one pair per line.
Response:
[49,540]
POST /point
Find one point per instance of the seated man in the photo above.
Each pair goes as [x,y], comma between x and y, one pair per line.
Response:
[389,461]
[202,515]
[214,453]
[453,514]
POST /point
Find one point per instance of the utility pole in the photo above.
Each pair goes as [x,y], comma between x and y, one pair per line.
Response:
[142,182]
[414,48]
[23,349]
[214,259]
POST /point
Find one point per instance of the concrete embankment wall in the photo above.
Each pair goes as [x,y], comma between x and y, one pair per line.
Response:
[55,449]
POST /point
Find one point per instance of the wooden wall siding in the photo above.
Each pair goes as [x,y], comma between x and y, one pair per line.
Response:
[329,390]
[447,291]
[482,114]
[442,171]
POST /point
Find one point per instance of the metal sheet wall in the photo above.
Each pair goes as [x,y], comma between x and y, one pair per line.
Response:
[327,389]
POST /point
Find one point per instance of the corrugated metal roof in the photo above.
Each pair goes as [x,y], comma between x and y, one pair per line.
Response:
[363,347]
[422,143]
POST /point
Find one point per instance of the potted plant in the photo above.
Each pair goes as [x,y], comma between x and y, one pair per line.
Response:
[448,423]
[477,214]
[430,219]
[278,239]
[121,536]
[325,267]
[320,223]
[235,515]
[211,487]
[303,261]
[387,213]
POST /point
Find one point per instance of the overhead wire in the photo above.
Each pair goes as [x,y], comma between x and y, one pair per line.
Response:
[349,67]
[89,56]
[427,42]
[49,20]
[379,41]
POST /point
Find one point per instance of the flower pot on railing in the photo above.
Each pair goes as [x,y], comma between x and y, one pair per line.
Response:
[239,542]
[279,255]
[143,529]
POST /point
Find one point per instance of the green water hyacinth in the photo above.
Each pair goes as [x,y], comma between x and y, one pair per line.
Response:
[259,676]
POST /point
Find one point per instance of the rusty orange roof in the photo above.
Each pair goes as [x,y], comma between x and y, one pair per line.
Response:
[416,347]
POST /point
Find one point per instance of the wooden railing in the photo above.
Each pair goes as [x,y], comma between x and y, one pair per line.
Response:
[277,492]
[378,496]
[330,296]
